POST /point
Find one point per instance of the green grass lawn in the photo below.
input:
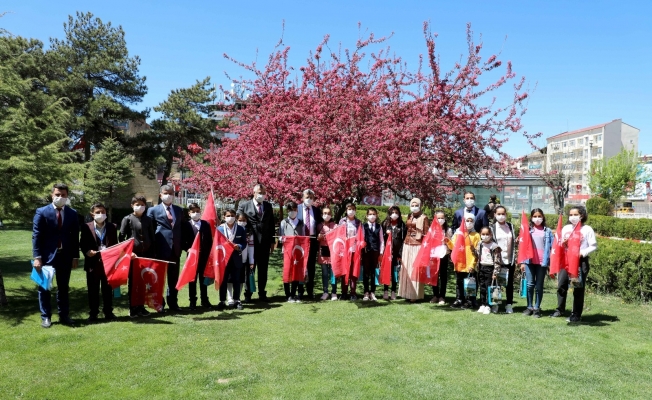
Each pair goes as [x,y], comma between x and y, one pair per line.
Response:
[317,350]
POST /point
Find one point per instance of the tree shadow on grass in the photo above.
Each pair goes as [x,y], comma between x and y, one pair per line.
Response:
[227,316]
[23,303]
[371,304]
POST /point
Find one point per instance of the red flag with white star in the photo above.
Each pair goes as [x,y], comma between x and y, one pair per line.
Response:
[116,260]
[148,283]
[458,255]
[359,245]
[295,258]
[189,271]
[340,257]
[558,252]
[220,256]
[525,248]
[385,277]
[425,268]
[210,216]
[573,251]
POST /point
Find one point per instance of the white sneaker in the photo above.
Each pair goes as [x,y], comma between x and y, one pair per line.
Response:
[481,309]
[291,299]
[486,311]
[494,309]
[508,309]
[366,297]
[372,297]
[393,296]
[333,297]
[442,301]
[324,296]
[385,295]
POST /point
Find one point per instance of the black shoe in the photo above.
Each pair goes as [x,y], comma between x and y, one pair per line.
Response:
[67,321]
[46,323]
[247,299]
[91,319]
[556,314]
[528,311]
[467,305]
[207,304]
[175,308]
[193,305]
[457,304]
[142,312]
[134,313]
[221,306]
[110,317]
[239,306]
[574,318]
[536,313]
[263,297]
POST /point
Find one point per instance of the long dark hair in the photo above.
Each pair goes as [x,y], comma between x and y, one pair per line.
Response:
[540,211]
[583,214]
[445,226]
[388,220]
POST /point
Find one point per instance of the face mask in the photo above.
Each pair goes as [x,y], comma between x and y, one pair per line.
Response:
[308,202]
[139,209]
[260,198]
[195,216]
[166,198]
[485,238]
[326,217]
[415,209]
[394,216]
[229,220]
[574,219]
[59,201]
[469,203]
[537,221]
[441,221]
[292,214]
[99,217]
[371,218]
[501,218]
[350,213]
[469,226]
[242,223]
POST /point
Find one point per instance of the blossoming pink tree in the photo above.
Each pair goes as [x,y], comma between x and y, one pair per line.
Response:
[355,122]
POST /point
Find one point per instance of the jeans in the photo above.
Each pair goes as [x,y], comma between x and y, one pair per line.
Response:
[535,275]
[578,293]
[326,276]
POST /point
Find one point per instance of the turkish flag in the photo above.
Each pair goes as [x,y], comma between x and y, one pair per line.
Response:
[210,216]
[386,263]
[358,245]
[149,282]
[340,257]
[525,248]
[425,268]
[558,252]
[220,255]
[189,271]
[116,260]
[458,255]
[573,251]
[295,258]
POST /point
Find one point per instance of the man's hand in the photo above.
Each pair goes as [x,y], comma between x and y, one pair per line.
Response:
[38,264]
[251,266]
[91,253]
[75,263]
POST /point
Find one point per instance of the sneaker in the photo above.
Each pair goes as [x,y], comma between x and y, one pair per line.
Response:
[528,311]
[442,302]
[457,304]
[290,299]
[239,306]
[556,314]
[574,318]
[393,297]
[366,297]
[385,295]
[221,306]
[467,305]
[354,297]
[433,300]
[297,299]
[324,296]
[333,297]
[487,310]
[133,313]
[536,313]
[508,309]
[481,309]
[372,297]
[230,303]
[143,312]
[494,309]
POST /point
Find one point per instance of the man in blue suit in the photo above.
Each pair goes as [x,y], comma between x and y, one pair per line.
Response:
[168,219]
[481,219]
[311,217]
[55,242]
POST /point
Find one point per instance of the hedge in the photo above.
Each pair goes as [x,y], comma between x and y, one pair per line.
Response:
[599,206]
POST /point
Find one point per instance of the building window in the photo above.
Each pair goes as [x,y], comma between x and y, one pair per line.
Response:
[599,151]
[586,165]
[598,138]
[580,142]
[571,143]
[563,144]
[586,153]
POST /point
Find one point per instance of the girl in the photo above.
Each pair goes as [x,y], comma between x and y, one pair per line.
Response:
[537,268]
[324,253]
[489,263]
[247,261]
[352,224]
[417,227]
[439,292]
[394,225]
[291,226]
[503,233]
[374,248]
[588,245]
[462,271]
[237,235]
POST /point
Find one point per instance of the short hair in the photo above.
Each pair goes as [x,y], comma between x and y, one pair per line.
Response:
[469,192]
[229,210]
[290,205]
[61,186]
[193,206]
[97,205]
[259,186]
[582,210]
[309,192]
[351,205]
[166,188]
[371,209]
[136,199]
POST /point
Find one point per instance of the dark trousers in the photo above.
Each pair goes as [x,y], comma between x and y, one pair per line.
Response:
[173,277]
[326,274]
[291,288]
[192,286]
[353,281]
[459,285]
[485,276]
[311,267]
[62,277]
[509,290]
[248,272]
[440,289]
[261,256]
[232,274]
[130,284]
[394,274]
[96,281]
[369,263]
[578,293]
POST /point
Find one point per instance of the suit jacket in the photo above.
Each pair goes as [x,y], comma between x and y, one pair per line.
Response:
[90,241]
[481,219]
[46,234]
[317,215]
[205,240]
[264,226]
[167,239]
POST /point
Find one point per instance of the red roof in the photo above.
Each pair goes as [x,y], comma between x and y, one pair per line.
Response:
[580,130]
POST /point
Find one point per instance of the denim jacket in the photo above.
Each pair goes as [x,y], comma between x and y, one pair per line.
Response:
[547,246]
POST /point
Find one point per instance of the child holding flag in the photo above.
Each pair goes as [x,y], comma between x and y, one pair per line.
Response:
[535,268]
[439,291]
[324,254]
[352,225]
[394,225]
[463,245]
[503,233]
[375,245]
[197,226]
[291,226]
[237,235]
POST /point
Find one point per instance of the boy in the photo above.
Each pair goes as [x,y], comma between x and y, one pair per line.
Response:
[96,236]
[373,237]
[237,235]
[291,226]
[196,226]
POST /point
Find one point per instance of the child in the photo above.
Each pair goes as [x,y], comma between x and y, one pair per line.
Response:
[536,268]
[489,264]
[95,237]
[291,226]
[439,291]
[324,253]
[588,245]
[503,233]
[237,235]
[375,245]
[462,271]
[190,229]
[247,260]
[352,224]
[141,228]
[394,225]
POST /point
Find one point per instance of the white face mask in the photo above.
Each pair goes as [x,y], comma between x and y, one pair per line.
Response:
[260,198]
[441,221]
[394,216]
[292,214]
[195,216]
[371,218]
[501,218]
[229,220]
[537,221]
[99,218]
[469,226]
[242,223]
[167,199]
[308,202]
[415,209]
[574,219]
[350,213]
[59,201]
[139,209]
[326,217]
[485,238]
[469,203]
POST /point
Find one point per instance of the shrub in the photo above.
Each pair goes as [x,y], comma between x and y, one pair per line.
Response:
[599,206]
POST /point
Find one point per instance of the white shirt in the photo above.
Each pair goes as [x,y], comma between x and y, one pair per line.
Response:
[197,224]
[311,228]
[588,243]
[55,211]
[504,239]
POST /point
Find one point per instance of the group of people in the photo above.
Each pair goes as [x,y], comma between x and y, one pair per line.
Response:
[163,232]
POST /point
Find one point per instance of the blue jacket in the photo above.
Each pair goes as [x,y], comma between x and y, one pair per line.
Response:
[167,239]
[547,246]
[240,238]
[46,234]
[481,219]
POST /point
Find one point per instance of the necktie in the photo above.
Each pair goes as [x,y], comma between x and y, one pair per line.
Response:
[260,209]
[59,224]
[170,218]
[307,219]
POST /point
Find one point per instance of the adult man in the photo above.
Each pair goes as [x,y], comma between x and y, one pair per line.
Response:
[481,219]
[261,217]
[489,208]
[55,242]
[311,217]
[167,219]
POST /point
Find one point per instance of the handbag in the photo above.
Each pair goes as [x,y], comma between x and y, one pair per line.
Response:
[116,293]
[251,282]
[523,287]
[494,294]
[377,275]
[469,286]
[503,277]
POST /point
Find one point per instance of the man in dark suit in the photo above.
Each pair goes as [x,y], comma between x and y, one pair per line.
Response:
[96,236]
[196,226]
[168,219]
[261,217]
[311,217]
[481,219]
[55,242]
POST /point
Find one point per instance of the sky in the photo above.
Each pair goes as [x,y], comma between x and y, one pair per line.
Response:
[585,62]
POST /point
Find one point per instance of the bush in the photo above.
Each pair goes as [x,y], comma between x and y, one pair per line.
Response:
[599,206]
[626,228]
